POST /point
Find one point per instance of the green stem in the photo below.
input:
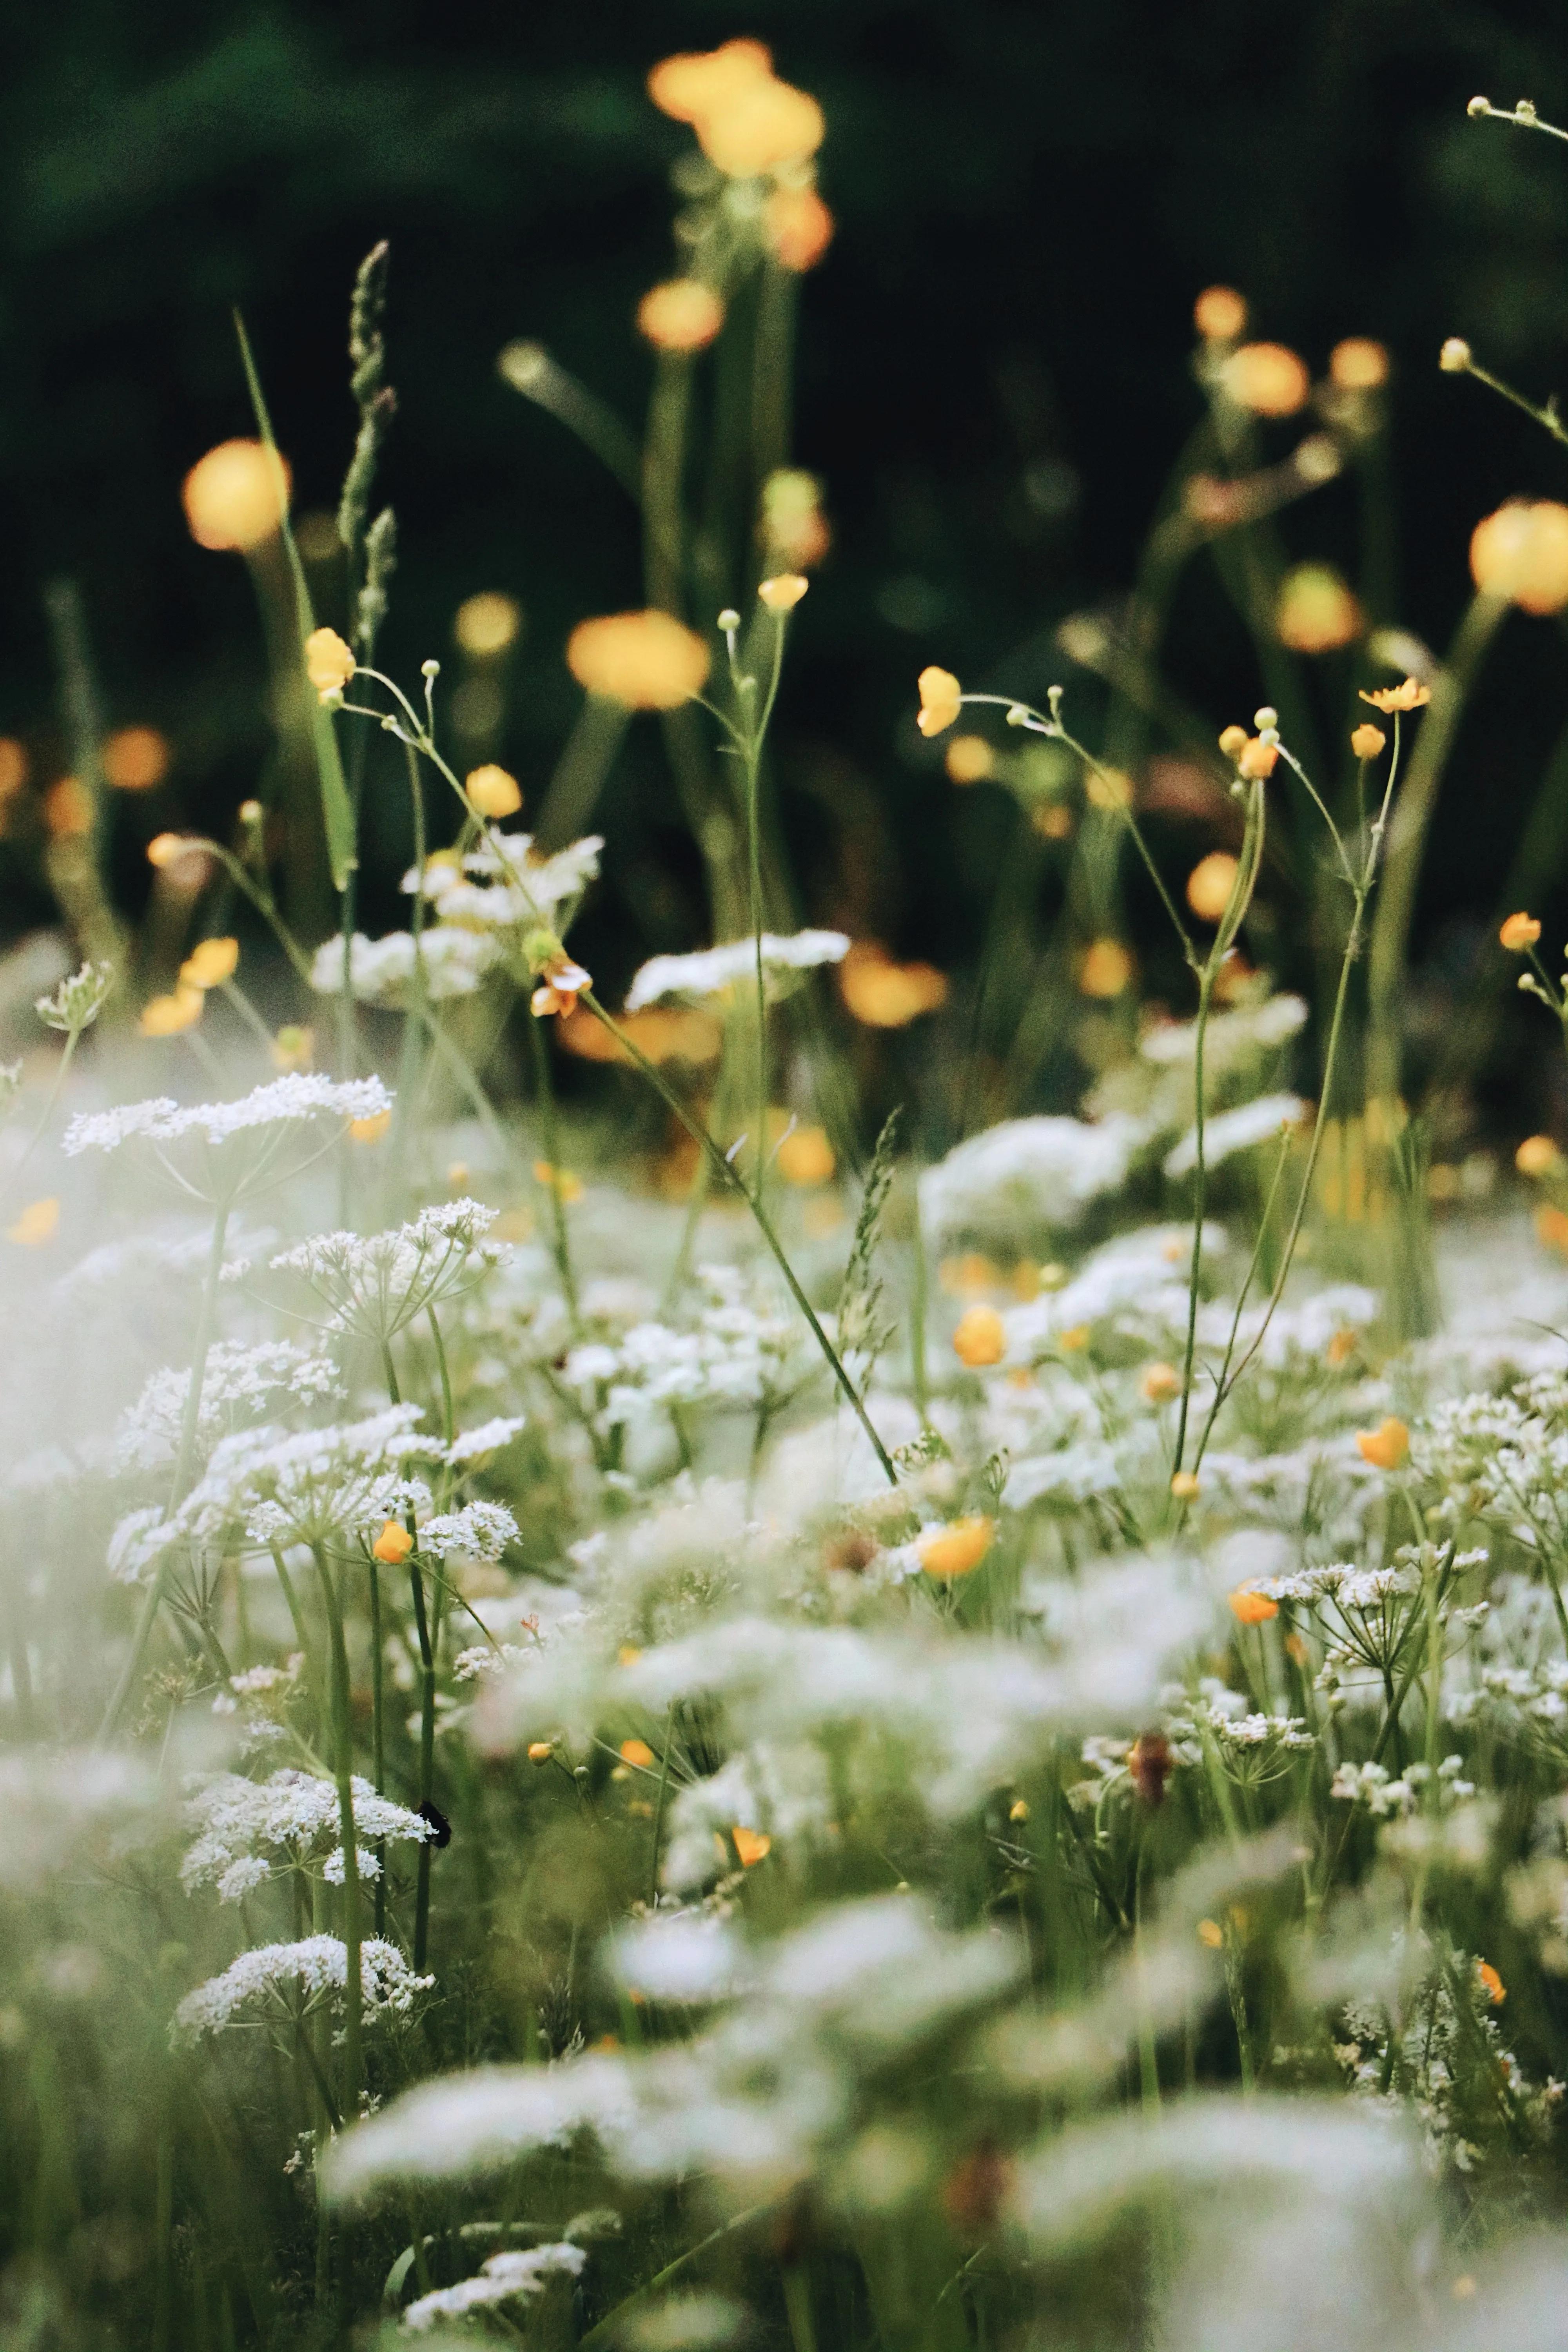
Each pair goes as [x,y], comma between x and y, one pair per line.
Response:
[550,1128]
[342,1759]
[377,1731]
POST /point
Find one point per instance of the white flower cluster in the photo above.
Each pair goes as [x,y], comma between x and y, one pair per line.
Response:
[711,971]
[375,1283]
[290,1819]
[1384,1795]
[1026,1175]
[741,1349]
[516,2272]
[283,1981]
[1263,1121]
[493,892]
[240,1380]
[394,971]
[283,1102]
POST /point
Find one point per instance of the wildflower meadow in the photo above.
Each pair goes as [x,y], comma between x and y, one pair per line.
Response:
[799,1648]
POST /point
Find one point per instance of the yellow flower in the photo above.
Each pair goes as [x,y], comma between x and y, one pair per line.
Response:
[968,759]
[1074,1339]
[805,1156]
[1492,1984]
[135,757]
[329,662]
[393,1545]
[647,660]
[14,766]
[688,1035]
[887,995]
[1251,1608]
[1219,314]
[1390,698]
[1018,1810]
[371,1129]
[1358,364]
[1104,970]
[1455,356]
[798,227]
[1367,741]
[1552,1227]
[492,791]
[1210,883]
[210,962]
[165,1016]
[1521,552]
[939,699]
[293,1048]
[539,1751]
[1184,1486]
[784,592]
[1536,1156]
[36,1224]
[235,496]
[637,1751]
[68,808]
[487,623]
[1257,759]
[1316,613]
[957,1549]
[1160,1384]
[1267,378]
[565,1186]
[694,84]
[752,1847]
[981,1338]
[561,983]
[1387,1447]
[760,125]
[1233,742]
[1343,1345]
[1211,1934]
[1519,932]
[1108,788]
[681,315]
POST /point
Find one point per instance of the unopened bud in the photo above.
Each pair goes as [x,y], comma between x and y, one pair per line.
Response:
[1479,106]
[729,619]
[1266,716]
[1525,111]
[1017,716]
[1455,356]
[430,669]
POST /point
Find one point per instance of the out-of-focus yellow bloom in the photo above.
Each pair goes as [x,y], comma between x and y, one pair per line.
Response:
[761,126]
[887,995]
[1161,1383]
[1018,1810]
[1367,741]
[492,791]
[1074,1339]
[539,1751]
[1521,552]
[752,1847]
[135,757]
[1108,788]
[1211,1934]
[805,1156]
[293,1048]
[695,83]
[235,497]
[1409,695]
[1219,314]
[1104,970]
[1387,1446]
[1258,760]
[663,1034]
[1358,364]
[165,1016]
[1210,883]
[1267,378]
[1455,356]
[681,315]
[648,661]
[981,1338]
[1343,1345]
[371,1129]
[1052,821]
[637,1751]
[784,592]
[36,1225]
[1491,1983]
[793,528]
[1233,742]
[956,1550]
[12,766]
[941,700]
[798,227]
[1251,1608]
[393,1545]
[1537,1156]
[68,808]
[970,759]
[328,662]
[209,964]
[960,1276]
[566,1186]
[561,983]
[1519,932]
[1316,613]
[1184,1487]
[488,623]
[1552,1227]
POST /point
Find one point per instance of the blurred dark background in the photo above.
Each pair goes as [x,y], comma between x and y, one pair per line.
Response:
[995,364]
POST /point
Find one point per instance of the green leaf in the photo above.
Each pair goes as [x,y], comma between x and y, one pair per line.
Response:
[337,812]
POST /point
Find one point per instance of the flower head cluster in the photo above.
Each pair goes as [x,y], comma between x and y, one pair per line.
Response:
[274,1983]
[444,961]
[507,2276]
[292,1820]
[264,1115]
[79,1000]
[501,884]
[375,1285]
[239,1383]
[714,972]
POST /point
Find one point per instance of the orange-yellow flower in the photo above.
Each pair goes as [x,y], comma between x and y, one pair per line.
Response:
[68,808]
[12,766]
[1267,378]
[1387,1447]
[637,1751]
[1251,1608]
[1184,1486]
[235,496]
[492,791]
[1358,364]
[1160,1384]
[36,1225]
[784,592]
[968,759]
[564,1182]
[805,1156]
[695,83]
[487,623]
[1552,1227]
[684,1034]
[1536,1156]
[210,963]
[561,983]
[1316,613]
[371,1129]
[752,1847]
[941,700]
[759,126]
[1104,970]
[293,1047]
[165,1016]
[956,1550]
[329,662]
[648,661]
[1519,932]
[1219,314]
[798,227]
[134,758]
[1492,1984]
[1233,742]
[981,1338]
[1410,696]
[1108,788]
[1521,552]
[1343,1345]
[1367,741]
[539,1751]
[1210,883]
[393,1545]
[1258,760]
[887,995]
[1211,1934]
[681,315]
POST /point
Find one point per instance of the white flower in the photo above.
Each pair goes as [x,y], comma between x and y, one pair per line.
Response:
[520,2271]
[488,1438]
[1236,1130]
[78,1001]
[1230,1037]
[376,1283]
[317,1967]
[301,1095]
[710,970]
[383,971]
[480,1531]
[309,1486]
[1027,1173]
[240,1380]
[294,1817]
[506,892]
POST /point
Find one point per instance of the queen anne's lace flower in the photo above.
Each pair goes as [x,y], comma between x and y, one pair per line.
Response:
[693,979]
[500,885]
[1025,1174]
[282,1102]
[375,1285]
[1235,1130]
[282,1981]
[517,2272]
[239,1383]
[444,963]
[248,1827]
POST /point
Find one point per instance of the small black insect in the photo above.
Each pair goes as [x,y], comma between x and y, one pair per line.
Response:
[440,1827]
